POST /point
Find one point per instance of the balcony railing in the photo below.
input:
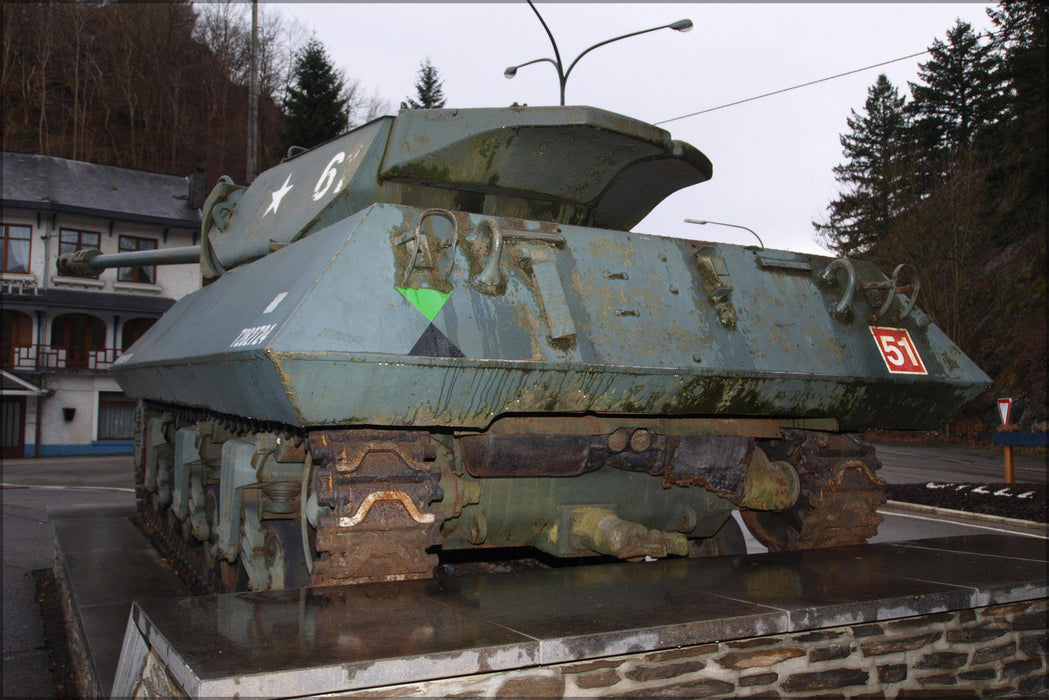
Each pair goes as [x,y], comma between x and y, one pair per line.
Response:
[40,358]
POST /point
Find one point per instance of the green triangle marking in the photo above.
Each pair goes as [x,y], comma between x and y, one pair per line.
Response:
[428,301]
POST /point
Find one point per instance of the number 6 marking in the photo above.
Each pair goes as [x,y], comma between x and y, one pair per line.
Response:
[328,176]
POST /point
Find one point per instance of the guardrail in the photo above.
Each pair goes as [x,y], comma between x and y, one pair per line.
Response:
[1011,439]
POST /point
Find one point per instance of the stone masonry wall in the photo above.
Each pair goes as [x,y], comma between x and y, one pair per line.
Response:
[990,652]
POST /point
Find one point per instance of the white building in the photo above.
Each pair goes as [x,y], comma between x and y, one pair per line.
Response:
[60,334]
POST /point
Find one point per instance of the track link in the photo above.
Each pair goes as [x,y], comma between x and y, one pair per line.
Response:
[378,486]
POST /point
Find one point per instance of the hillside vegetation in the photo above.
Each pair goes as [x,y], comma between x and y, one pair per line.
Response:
[952,181]
[160,86]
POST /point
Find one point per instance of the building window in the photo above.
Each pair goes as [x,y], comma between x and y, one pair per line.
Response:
[14,250]
[70,241]
[133,330]
[116,416]
[143,275]
[16,335]
[79,337]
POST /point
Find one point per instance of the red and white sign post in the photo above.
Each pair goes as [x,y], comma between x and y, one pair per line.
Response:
[1004,406]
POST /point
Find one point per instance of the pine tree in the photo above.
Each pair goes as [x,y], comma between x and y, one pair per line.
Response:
[1021,147]
[874,176]
[428,88]
[961,92]
[315,105]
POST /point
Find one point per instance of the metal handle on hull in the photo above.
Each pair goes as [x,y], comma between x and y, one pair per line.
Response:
[490,280]
[911,290]
[891,287]
[843,311]
[417,241]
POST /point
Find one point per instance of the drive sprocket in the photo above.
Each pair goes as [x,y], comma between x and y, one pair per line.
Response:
[839,496]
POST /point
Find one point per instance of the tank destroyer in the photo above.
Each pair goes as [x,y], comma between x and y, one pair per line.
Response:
[438,333]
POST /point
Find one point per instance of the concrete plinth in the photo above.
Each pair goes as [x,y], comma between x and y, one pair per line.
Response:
[859,618]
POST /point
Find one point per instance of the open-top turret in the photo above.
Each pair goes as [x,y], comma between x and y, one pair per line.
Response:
[437,333]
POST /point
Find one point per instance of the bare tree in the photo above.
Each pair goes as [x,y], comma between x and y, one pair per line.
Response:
[361,106]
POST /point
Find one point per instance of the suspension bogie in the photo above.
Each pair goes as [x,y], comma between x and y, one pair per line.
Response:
[262,507]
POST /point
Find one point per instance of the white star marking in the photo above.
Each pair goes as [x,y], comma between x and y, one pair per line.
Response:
[278,196]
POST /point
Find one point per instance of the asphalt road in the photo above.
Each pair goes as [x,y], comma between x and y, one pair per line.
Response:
[906,463]
[28,546]
[31,486]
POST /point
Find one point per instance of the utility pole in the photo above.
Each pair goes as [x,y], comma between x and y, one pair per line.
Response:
[253,94]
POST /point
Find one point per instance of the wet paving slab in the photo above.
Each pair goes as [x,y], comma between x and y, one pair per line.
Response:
[107,563]
[1032,548]
[310,641]
[592,611]
[327,640]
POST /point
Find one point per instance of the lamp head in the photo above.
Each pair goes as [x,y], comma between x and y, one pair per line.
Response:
[510,72]
[682,25]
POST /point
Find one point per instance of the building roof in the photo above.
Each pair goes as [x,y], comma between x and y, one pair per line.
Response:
[88,301]
[45,183]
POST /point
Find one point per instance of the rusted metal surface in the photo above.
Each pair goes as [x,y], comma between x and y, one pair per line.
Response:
[527,455]
[735,468]
[638,450]
[378,486]
[716,463]
[839,498]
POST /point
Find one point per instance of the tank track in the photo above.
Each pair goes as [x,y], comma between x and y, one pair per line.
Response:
[171,547]
[362,539]
[377,486]
[839,496]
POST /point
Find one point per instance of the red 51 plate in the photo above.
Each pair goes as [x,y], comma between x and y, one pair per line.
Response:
[898,350]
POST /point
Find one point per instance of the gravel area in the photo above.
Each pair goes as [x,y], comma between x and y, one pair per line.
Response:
[1019,501]
[55,634]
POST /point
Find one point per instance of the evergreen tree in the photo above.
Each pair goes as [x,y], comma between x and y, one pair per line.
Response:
[875,175]
[315,105]
[429,92]
[961,92]
[1021,149]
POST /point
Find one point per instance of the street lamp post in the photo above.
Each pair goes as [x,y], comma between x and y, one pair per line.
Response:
[721,223]
[682,25]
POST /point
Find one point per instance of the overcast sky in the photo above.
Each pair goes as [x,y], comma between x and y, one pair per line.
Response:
[772,157]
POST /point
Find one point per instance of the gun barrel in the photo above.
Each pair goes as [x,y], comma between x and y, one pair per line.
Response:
[86,262]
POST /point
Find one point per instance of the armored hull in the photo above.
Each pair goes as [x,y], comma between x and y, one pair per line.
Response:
[436,333]
[321,333]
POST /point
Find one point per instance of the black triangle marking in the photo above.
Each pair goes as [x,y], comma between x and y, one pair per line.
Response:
[434,343]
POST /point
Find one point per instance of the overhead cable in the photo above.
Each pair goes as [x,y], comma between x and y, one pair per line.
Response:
[794,87]
[986,34]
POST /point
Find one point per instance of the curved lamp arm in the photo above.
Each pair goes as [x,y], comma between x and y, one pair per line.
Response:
[682,25]
[511,71]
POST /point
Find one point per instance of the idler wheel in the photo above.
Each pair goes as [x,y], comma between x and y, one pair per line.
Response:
[839,497]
